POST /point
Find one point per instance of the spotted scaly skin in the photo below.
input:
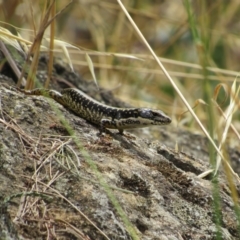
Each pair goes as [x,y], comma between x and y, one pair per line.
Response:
[101,114]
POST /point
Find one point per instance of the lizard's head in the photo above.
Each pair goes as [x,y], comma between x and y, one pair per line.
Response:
[153,117]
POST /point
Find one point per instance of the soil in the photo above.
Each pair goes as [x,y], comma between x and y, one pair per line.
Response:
[61,180]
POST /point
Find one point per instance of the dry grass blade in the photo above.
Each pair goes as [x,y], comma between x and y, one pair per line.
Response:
[10,60]
[173,84]
[224,116]
[64,47]
[75,154]
[217,90]
[153,71]
[66,53]
[197,102]
[73,230]
[228,116]
[234,95]
[145,57]
[91,67]
[13,40]
[175,63]
[206,173]
[52,35]
[35,48]
[123,55]
[23,45]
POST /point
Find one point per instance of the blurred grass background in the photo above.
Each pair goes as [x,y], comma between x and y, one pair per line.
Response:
[102,26]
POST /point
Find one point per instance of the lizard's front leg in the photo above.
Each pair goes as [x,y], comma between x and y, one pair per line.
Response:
[107,123]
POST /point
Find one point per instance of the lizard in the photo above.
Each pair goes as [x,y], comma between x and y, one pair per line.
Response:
[100,114]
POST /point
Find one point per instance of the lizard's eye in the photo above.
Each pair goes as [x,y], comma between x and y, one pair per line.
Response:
[145,113]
